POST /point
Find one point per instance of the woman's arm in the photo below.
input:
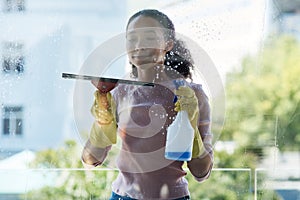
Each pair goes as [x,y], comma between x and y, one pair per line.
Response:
[93,156]
[201,166]
[103,132]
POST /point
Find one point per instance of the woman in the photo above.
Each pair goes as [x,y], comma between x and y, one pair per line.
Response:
[141,115]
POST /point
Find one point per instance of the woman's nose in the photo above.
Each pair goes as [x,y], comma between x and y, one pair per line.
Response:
[140,44]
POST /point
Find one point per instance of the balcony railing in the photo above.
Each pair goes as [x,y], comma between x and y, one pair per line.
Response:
[226,183]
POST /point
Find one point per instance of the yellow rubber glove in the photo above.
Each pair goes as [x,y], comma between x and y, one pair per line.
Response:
[188,101]
[104,129]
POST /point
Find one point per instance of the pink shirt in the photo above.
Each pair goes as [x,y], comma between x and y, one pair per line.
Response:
[143,115]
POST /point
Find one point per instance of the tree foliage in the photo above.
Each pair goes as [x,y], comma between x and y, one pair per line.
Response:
[263,97]
[70,181]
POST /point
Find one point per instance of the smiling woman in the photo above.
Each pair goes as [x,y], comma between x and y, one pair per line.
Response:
[146,46]
[155,31]
[141,115]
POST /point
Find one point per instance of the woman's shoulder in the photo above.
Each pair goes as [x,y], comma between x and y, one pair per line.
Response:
[199,90]
[197,87]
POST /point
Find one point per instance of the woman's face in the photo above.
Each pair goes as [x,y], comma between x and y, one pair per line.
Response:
[145,42]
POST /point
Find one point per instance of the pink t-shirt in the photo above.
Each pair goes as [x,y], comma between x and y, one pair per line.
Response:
[143,115]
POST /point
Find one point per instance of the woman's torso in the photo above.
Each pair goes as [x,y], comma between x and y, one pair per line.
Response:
[144,113]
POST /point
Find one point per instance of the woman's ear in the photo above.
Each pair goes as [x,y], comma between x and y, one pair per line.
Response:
[169,45]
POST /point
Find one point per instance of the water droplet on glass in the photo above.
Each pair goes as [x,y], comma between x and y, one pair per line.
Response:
[164,191]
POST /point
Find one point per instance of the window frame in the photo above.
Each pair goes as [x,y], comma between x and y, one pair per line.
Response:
[10,6]
[13,57]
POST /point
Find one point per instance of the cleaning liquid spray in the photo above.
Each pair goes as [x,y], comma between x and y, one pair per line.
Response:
[180,135]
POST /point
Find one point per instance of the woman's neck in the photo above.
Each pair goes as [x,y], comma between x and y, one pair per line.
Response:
[155,73]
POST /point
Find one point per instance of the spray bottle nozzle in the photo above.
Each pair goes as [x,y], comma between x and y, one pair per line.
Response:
[177,83]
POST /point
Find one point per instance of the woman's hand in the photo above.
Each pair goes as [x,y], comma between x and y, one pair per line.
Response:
[103,87]
[104,129]
[103,108]
[187,101]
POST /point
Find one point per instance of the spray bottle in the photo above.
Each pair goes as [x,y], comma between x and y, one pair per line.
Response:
[180,135]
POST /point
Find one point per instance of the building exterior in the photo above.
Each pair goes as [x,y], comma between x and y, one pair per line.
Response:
[285,17]
[39,40]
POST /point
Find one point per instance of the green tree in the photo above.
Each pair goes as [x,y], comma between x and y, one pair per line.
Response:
[263,98]
[69,180]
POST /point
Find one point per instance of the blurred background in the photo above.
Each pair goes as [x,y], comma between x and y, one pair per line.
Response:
[254,45]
